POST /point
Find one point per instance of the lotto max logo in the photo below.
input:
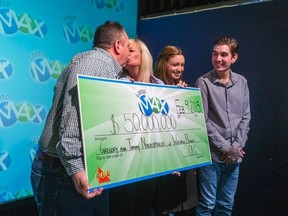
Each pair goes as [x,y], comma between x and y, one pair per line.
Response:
[11,113]
[147,105]
[23,193]
[6,196]
[74,33]
[11,23]
[8,114]
[5,161]
[117,5]
[32,152]
[42,69]
[6,69]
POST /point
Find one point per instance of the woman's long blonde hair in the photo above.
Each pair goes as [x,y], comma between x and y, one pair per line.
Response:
[146,66]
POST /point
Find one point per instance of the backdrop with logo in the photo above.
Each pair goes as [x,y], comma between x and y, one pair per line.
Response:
[37,41]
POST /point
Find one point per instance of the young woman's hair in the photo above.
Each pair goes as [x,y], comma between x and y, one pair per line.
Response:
[230,42]
[107,34]
[146,66]
[160,68]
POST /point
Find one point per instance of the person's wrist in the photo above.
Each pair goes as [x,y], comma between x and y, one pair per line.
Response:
[233,151]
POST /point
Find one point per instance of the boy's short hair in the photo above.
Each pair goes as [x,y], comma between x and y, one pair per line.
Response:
[229,41]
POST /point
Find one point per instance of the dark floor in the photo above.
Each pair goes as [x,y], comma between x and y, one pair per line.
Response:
[25,207]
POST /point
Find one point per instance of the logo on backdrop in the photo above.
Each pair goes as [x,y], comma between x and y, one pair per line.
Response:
[73,32]
[42,69]
[117,5]
[6,69]
[11,113]
[6,195]
[5,161]
[11,23]
[33,151]
[23,193]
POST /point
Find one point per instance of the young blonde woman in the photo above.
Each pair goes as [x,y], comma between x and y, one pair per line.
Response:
[169,66]
[139,66]
[176,194]
[135,199]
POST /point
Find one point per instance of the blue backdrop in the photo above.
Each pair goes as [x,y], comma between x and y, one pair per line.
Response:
[261,29]
[37,41]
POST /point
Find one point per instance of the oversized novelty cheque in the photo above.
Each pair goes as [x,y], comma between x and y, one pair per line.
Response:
[134,131]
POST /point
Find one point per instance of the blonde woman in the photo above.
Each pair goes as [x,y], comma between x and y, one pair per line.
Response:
[169,66]
[139,66]
[176,194]
[135,199]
